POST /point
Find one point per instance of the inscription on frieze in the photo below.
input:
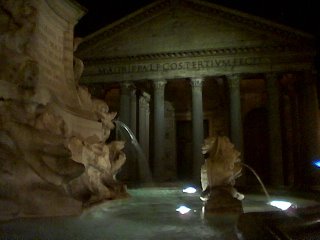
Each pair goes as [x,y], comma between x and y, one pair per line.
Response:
[182,65]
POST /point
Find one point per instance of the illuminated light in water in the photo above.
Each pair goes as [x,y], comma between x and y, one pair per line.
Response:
[283,205]
[189,190]
[316,163]
[183,209]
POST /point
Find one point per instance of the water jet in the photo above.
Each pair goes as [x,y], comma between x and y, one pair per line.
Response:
[143,163]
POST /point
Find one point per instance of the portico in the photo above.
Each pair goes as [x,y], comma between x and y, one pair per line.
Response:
[190,61]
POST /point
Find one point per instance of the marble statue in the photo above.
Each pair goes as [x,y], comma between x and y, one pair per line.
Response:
[218,174]
[54,159]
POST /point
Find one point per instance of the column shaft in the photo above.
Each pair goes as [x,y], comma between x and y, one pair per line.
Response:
[275,138]
[309,122]
[133,113]
[236,132]
[125,105]
[197,127]
[159,128]
[144,123]
[128,170]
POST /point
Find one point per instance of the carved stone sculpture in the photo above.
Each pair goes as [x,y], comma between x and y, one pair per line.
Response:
[53,156]
[102,162]
[218,175]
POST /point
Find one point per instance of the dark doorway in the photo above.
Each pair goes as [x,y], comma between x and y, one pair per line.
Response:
[184,148]
[256,145]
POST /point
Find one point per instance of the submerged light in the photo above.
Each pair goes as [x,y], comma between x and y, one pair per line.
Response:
[316,163]
[183,209]
[283,205]
[189,190]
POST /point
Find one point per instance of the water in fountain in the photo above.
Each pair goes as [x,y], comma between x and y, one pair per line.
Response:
[259,180]
[143,164]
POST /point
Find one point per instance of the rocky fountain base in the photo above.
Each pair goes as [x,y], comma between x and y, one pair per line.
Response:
[53,152]
[221,201]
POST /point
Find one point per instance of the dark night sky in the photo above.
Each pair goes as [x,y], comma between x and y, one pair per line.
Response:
[303,15]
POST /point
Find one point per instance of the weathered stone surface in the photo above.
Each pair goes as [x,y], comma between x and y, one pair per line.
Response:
[185,39]
[223,165]
[52,133]
[218,175]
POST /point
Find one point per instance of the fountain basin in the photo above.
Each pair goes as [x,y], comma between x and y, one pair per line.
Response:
[150,213]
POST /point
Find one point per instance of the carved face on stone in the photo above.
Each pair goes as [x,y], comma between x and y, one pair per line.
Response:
[100,106]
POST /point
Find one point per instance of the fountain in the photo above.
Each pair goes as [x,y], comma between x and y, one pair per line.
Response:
[218,175]
[143,164]
[52,132]
[54,160]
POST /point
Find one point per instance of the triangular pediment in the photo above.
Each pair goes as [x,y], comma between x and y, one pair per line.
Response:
[186,25]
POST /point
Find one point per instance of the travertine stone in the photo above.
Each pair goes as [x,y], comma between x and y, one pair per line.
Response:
[52,133]
[218,175]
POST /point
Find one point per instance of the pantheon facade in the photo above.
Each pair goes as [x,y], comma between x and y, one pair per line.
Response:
[179,71]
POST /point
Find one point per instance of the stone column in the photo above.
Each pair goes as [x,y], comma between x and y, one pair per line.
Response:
[309,123]
[236,133]
[144,123]
[133,114]
[275,138]
[159,128]
[197,127]
[125,105]
[127,172]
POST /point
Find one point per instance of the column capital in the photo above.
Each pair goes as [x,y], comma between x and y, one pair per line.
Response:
[133,91]
[234,80]
[196,82]
[126,86]
[159,84]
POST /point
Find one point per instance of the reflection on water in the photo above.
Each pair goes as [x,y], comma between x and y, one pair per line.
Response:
[150,213]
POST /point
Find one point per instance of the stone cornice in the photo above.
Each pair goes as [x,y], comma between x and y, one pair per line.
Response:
[198,53]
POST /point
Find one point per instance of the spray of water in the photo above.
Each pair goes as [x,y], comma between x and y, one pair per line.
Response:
[144,168]
[260,181]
